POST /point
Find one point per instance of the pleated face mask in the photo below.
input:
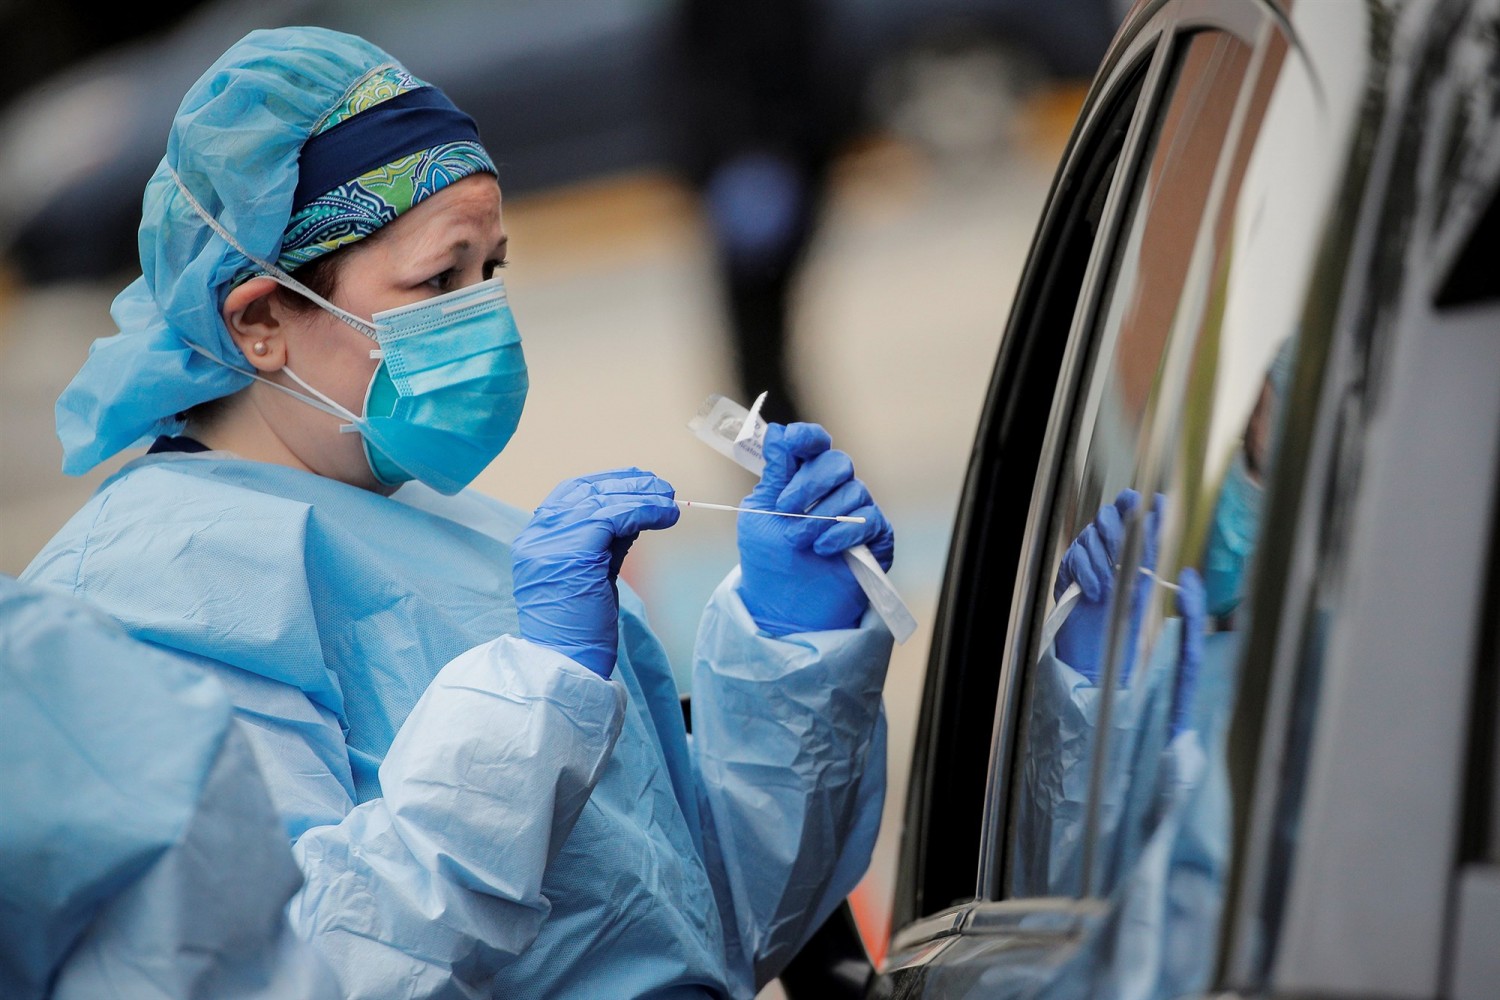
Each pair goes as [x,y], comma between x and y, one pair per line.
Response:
[1231,537]
[449,390]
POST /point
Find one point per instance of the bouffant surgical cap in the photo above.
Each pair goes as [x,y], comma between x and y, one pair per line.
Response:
[296,142]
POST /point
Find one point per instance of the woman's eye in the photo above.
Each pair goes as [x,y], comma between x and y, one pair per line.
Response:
[443,281]
[491,266]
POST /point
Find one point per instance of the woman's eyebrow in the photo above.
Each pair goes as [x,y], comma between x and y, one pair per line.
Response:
[464,244]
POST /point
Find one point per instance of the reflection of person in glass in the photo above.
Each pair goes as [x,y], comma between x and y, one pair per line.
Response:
[1231,536]
[1149,715]
[1163,832]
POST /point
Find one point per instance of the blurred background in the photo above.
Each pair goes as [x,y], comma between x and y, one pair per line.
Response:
[830,200]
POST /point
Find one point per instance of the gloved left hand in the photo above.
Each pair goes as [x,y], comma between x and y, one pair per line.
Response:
[1092,561]
[566,560]
[1192,609]
[793,577]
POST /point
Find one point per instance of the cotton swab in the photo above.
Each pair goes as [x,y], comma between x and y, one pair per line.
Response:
[1164,582]
[846,518]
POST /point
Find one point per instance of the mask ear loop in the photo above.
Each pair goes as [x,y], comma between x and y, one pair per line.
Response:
[271,270]
[317,400]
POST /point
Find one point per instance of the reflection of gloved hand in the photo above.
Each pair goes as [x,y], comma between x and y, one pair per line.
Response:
[1192,608]
[793,574]
[1091,562]
[566,560]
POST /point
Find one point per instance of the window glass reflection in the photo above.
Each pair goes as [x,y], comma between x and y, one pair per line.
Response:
[1107,660]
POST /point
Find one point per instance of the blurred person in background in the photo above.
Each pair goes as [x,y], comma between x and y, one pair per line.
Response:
[759,133]
[469,732]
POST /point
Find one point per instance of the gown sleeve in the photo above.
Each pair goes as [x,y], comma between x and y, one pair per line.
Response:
[134,816]
[1056,767]
[789,747]
[427,891]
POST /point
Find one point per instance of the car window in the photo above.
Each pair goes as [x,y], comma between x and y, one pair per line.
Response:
[941,843]
[1158,489]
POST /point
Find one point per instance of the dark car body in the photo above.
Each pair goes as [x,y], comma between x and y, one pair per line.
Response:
[562,90]
[1251,183]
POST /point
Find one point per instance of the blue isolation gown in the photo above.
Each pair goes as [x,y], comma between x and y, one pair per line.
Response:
[476,816]
[142,857]
[1163,839]
[1057,765]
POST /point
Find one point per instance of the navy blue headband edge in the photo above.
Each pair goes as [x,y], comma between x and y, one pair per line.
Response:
[407,123]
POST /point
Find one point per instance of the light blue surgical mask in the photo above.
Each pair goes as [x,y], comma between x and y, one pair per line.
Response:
[449,390]
[1231,537]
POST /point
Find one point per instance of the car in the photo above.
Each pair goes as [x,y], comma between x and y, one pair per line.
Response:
[570,90]
[568,86]
[1212,695]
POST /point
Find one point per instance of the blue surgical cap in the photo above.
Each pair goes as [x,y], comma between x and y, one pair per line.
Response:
[235,145]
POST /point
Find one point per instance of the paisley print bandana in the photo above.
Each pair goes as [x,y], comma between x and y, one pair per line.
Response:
[357,207]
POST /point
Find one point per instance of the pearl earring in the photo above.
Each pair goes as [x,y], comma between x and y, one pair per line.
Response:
[258,348]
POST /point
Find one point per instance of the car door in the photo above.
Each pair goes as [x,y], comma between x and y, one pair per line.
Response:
[1365,787]
[1068,804]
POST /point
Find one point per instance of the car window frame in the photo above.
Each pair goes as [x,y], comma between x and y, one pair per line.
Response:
[1252,25]
[1148,35]
[957,615]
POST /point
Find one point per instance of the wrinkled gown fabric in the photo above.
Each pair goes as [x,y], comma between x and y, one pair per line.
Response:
[1163,830]
[474,815]
[143,859]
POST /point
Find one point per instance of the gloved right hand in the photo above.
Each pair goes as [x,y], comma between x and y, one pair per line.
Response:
[793,577]
[1091,561]
[566,560]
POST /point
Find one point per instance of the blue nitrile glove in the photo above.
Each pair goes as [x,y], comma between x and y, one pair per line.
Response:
[1092,562]
[1192,609]
[566,560]
[793,577]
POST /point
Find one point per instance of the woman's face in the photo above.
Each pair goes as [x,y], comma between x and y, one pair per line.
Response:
[453,239]
[1258,432]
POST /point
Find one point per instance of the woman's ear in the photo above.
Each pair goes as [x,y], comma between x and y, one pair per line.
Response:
[252,314]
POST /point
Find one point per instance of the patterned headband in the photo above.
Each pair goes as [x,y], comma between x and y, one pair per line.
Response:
[402,138]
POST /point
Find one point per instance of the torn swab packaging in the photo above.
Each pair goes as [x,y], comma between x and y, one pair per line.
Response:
[739,435]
